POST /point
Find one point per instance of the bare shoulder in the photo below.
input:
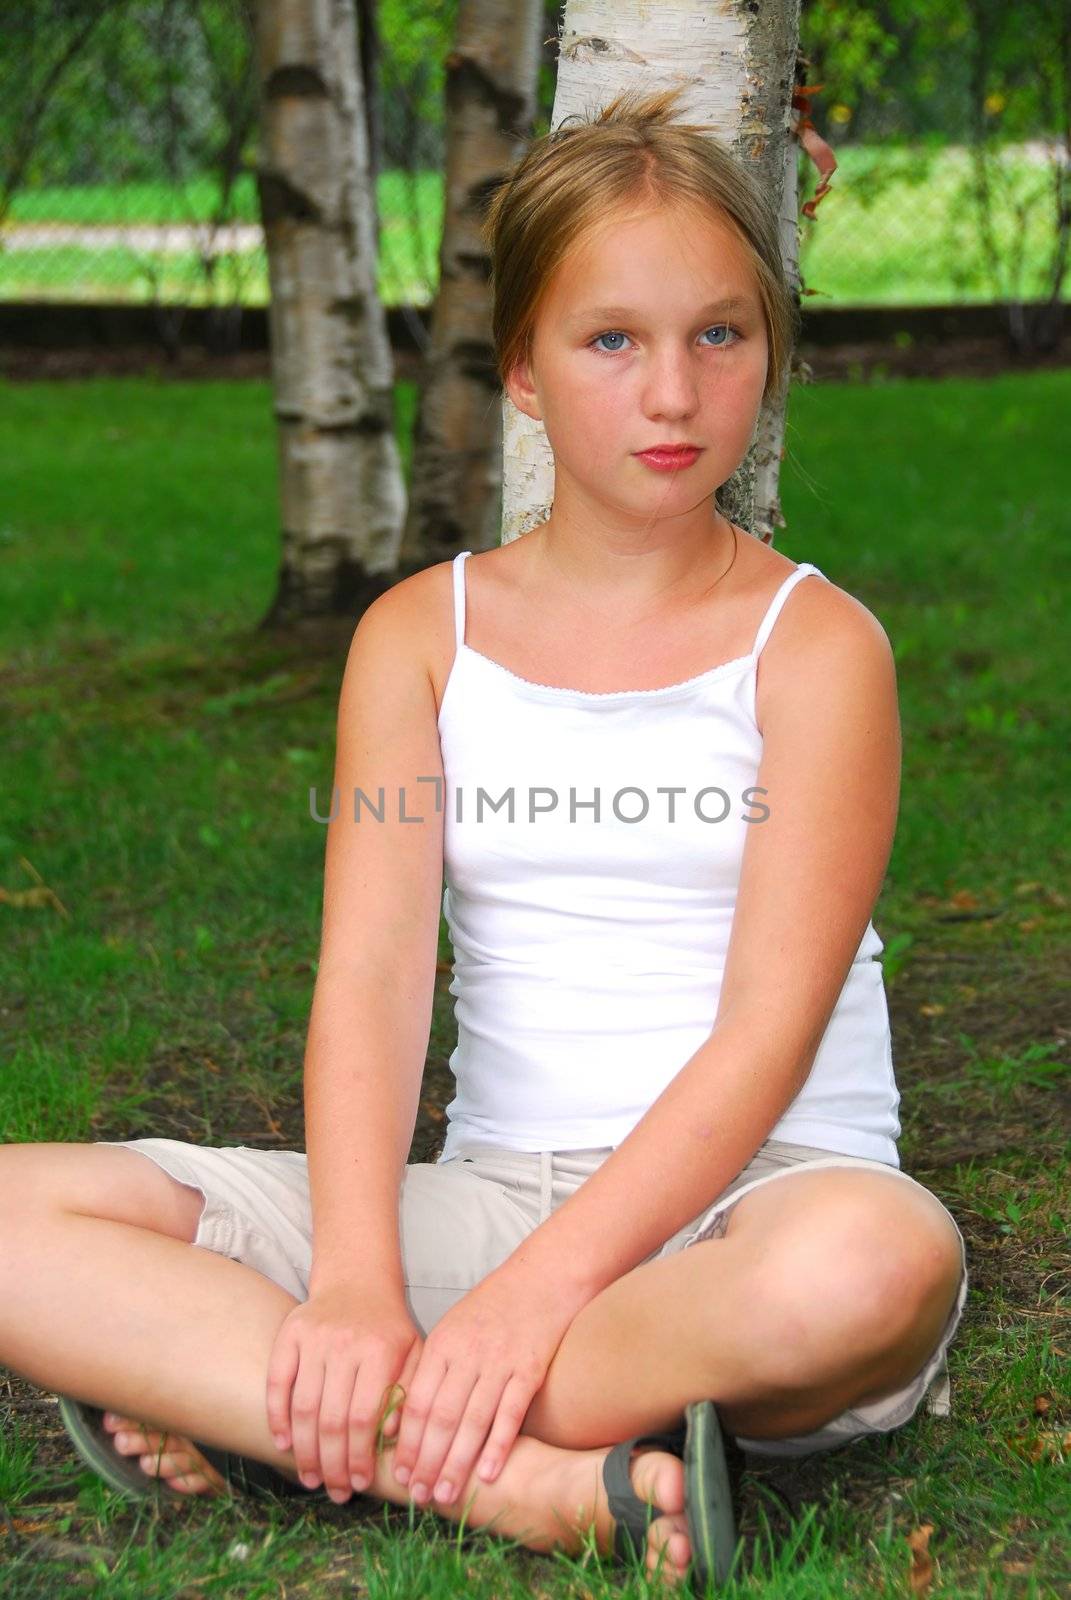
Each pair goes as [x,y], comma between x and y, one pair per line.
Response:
[823,637]
[412,604]
[416,615]
[410,623]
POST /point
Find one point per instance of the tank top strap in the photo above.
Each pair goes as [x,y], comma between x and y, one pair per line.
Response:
[773,610]
[459,597]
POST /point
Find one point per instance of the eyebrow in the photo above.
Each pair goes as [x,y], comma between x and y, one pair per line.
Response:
[741,302]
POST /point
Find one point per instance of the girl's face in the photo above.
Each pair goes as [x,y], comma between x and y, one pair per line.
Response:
[650,333]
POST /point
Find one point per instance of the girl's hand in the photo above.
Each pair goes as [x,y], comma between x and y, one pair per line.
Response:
[481,1365]
[334,1361]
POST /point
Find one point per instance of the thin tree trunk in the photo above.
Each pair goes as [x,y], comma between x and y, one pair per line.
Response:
[738,59]
[491,82]
[342,491]
[368,54]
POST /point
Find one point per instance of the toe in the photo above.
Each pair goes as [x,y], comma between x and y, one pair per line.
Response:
[179,1468]
[669,1549]
[133,1440]
[658,1478]
[114,1420]
[168,1456]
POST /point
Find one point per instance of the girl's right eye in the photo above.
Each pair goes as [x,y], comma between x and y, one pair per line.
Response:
[594,343]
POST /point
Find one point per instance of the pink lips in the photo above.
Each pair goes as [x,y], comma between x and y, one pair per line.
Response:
[668,460]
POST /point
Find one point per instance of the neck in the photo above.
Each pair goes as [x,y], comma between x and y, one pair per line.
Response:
[633,583]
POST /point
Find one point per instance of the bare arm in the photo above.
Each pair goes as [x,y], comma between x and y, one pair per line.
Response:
[810,876]
[371,1011]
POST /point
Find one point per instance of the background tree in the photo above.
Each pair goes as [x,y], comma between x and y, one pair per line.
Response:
[40,46]
[342,493]
[909,76]
[491,82]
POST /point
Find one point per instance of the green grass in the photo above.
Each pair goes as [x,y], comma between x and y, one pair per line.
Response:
[410,212]
[896,228]
[196,201]
[156,977]
[905,241]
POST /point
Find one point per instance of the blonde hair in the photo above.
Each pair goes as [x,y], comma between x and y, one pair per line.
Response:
[631,153]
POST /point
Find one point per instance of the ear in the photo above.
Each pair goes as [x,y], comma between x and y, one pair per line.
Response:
[521,390]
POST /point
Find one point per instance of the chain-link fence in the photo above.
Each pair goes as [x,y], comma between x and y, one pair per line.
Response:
[128,133]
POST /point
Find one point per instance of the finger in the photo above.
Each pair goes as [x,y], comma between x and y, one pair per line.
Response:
[447,1477]
[443,1420]
[389,1414]
[366,1408]
[334,1425]
[512,1410]
[391,1411]
[282,1370]
[431,1369]
[395,1397]
[305,1419]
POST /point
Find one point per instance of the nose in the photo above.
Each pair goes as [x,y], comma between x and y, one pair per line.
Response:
[671,388]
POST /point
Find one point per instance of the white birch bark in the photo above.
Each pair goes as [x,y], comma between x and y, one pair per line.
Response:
[342,490]
[737,60]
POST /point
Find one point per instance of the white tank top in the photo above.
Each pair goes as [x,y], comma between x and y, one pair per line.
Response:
[592,852]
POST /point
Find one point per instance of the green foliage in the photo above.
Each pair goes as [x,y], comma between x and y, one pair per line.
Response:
[951,69]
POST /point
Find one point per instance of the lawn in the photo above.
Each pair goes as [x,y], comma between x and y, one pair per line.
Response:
[161,917]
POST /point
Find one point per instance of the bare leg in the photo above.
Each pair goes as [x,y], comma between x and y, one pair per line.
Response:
[830,1287]
[174,1348]
[133,1319]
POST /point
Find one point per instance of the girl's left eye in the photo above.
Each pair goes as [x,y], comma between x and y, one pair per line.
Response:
[716,327]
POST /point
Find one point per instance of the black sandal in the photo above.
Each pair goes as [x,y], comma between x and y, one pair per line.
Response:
[713,1462]
[96,1446]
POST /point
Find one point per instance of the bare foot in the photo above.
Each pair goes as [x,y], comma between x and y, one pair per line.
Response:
[658,1478]
[546,1497]
[549,1498]
[164,1455]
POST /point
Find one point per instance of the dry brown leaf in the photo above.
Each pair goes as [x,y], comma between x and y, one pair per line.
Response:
[812,142]
[1042,1402]
[921,1575]
[1048,1442]
[41,895]
[30,899]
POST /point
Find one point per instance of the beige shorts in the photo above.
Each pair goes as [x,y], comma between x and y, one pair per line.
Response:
[460,1218]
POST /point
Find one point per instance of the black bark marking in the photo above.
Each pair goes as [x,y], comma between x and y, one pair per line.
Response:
[281,201]
[302,81]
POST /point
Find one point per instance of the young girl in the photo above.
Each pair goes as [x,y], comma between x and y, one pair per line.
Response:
[660,764]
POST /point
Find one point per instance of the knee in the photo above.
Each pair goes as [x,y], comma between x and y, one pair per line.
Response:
[852,1292]
[20,1178]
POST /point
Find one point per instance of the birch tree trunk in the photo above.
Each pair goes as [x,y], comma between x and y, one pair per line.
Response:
[738,59]
[491,80]
[342,491]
